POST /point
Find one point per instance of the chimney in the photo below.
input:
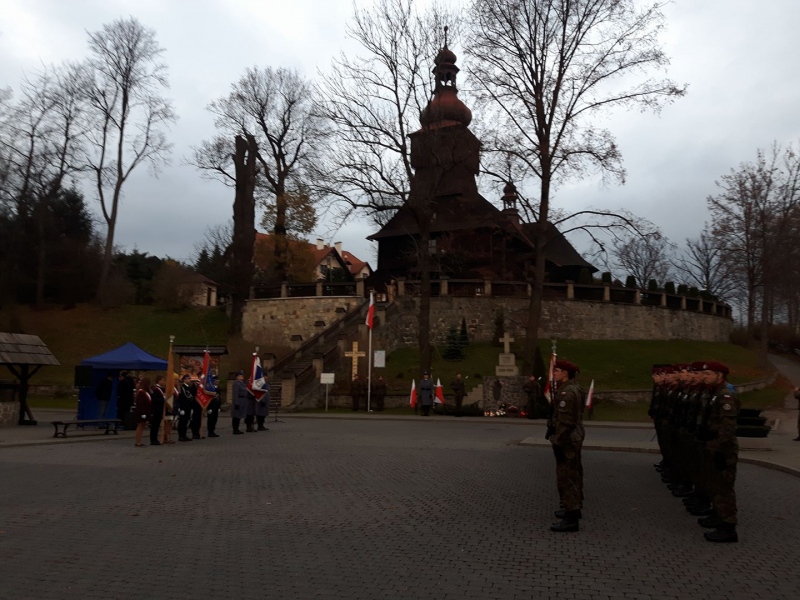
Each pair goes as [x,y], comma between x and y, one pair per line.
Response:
[320,243]
[338,247]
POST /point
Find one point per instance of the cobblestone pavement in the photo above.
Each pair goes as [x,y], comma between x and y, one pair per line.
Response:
[349,509]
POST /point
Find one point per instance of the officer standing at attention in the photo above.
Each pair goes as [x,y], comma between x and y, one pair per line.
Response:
[426,394]
[722,451]
[457,386]
[240,399]
[379,393]
[566,434]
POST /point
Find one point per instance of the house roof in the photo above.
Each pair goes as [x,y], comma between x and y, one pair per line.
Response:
[24,349]
[354,263]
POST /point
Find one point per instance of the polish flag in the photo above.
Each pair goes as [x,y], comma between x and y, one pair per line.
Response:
[371,310]
[413,397]
[549,382]
[439,393]
[590,396]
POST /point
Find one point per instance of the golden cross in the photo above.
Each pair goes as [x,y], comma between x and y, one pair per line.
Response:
[355,355]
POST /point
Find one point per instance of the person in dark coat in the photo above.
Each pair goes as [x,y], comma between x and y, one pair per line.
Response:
[262,406]
[157,404]
[379,392]
[459,392]
[186,401]
[426,394]
[103,394]
[212,413]
[358,389]
[250,415]
[537,405]
[196,422]
[241,397]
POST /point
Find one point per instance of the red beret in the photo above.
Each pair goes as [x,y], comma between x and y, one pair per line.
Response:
[565,365]
[713,365]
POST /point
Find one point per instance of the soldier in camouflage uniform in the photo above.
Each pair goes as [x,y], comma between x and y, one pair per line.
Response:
[718,431]
[566,434]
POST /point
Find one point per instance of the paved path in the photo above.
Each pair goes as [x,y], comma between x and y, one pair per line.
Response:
[340,508]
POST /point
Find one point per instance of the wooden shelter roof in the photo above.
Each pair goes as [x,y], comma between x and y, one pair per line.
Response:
[24,349]
[198,350]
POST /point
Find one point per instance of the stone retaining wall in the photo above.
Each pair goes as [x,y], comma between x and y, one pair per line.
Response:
[278,319]
[563,319]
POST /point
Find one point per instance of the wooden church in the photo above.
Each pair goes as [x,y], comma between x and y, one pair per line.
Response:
[469,237]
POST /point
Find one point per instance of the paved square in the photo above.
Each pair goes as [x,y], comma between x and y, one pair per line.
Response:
[357,509]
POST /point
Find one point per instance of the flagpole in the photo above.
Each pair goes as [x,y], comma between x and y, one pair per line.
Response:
[369,372]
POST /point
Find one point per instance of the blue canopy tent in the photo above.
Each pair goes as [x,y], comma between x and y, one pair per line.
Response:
[128,357]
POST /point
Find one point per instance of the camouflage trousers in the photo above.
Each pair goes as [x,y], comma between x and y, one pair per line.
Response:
[722,481]
[569,475]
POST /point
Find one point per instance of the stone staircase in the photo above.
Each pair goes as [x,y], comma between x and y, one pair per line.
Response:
[297,374]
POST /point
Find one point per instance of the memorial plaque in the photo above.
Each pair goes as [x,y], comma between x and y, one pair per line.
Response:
[507,360]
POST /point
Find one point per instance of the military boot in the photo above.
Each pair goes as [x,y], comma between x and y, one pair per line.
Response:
[725,533]
[710,522]
[569,523]
[562,514]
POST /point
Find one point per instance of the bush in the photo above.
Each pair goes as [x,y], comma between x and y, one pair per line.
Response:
[669,287]
[630,282]
[606,277]
[463,336]
[454,350]
[652,285]
[499,328]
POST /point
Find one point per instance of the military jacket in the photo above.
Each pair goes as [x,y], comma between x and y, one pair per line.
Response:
[723,410]
[567,418]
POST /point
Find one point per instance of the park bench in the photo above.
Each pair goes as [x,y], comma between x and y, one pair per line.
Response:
[109,424]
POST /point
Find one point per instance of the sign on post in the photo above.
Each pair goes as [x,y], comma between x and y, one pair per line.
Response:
[327,379]
[380,359]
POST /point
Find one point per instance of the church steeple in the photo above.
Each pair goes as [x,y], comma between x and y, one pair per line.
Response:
[445,108]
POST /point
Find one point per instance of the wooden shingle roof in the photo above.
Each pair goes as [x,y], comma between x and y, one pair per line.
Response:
[24,349]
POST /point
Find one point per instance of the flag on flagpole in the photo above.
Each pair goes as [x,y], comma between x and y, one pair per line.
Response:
[413,397]
[371,311]
[439,394]
[204,394]
[549,382]
[590,396]
[170,389]
[256,382]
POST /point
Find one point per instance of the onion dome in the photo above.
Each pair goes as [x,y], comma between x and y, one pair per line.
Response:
[445,108]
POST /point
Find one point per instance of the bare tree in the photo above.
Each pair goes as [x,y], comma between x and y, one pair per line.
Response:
[753,216]
[703,266]
[41,141]
[645,258]
[372,102]
[546,69]
[126,116]
[275,107]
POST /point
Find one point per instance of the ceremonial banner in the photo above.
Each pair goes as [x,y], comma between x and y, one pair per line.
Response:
[170,386]
[256,382]
[205,393]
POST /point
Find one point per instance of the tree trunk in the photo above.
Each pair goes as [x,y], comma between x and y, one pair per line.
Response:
[281,244]
[240,266]
[40,267]
[424,338]
[537,285]
[763,344]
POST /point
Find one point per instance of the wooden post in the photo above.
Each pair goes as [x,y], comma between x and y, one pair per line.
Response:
[443,290]
[487,287]
[570,290]
[285,289]
[606,292]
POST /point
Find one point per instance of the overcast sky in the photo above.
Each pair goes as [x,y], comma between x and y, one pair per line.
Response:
[735,55]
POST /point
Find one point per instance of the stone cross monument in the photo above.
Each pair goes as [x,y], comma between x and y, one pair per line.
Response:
[507,366]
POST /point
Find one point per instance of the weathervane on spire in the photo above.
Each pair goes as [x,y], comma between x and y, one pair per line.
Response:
[445,36]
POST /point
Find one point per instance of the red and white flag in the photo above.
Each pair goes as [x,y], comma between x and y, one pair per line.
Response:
[371,310]
[590,396]
[549,382]
[203,397]
[439,398]
[413,397]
